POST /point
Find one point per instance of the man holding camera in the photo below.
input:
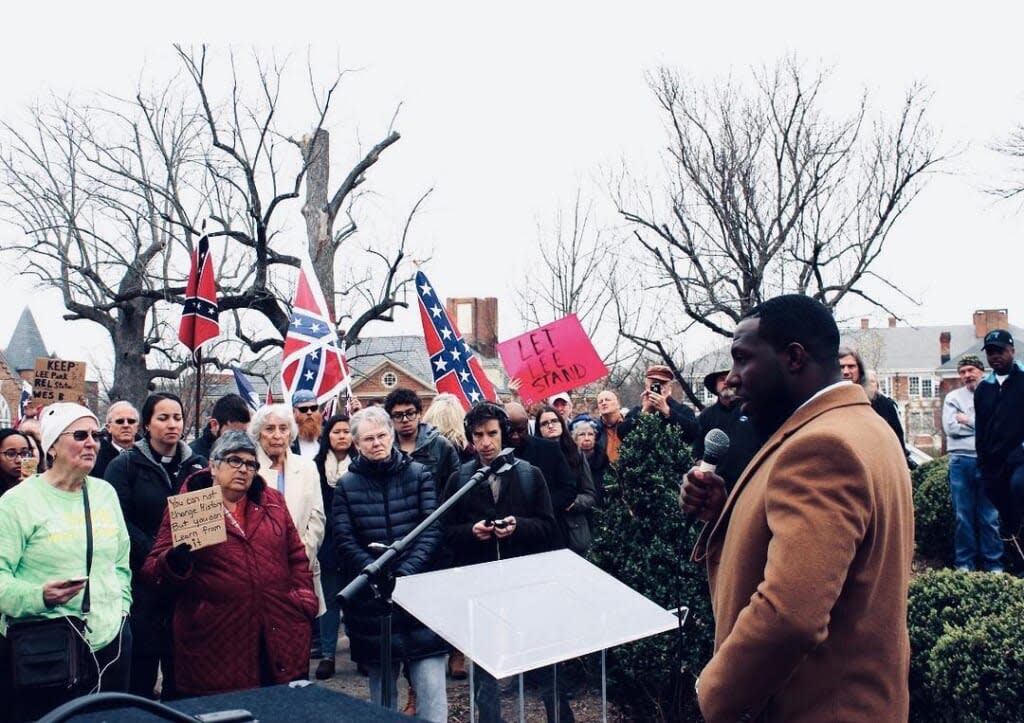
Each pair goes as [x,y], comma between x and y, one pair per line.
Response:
[509,515]
[657,399]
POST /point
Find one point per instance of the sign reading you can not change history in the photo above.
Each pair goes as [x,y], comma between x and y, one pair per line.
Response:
[58,380]
[197,518]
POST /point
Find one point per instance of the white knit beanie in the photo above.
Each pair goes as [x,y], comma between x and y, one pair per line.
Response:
[58,417]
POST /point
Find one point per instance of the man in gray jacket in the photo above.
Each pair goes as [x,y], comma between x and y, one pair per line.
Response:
[977,539]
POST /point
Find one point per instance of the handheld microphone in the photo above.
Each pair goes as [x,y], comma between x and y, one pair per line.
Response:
[716,444]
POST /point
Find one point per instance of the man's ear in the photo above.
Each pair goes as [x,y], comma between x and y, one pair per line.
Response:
[796,357]
[214,428]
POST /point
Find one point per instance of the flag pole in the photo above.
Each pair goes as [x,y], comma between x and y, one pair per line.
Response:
[199,385]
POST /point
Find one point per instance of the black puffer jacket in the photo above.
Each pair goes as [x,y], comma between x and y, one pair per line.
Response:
[382,502]
[143,486]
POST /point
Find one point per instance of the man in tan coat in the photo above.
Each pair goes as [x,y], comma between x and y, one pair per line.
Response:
[809,557]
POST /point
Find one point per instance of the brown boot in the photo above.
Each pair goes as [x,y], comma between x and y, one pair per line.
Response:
[410,704]
[457,665]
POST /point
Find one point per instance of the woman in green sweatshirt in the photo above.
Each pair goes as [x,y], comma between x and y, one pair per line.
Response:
[43,555]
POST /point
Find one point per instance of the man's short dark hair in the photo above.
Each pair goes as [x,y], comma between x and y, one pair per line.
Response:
[231,408]
[801,319]
[401,395]
[482,412]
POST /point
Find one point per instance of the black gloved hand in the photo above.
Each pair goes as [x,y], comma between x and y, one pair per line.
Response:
[179,559]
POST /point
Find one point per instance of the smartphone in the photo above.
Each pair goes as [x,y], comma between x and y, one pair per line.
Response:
[656,387]
[72,581]
[500,524]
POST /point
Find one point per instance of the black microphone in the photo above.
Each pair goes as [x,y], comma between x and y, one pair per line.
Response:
[716,444]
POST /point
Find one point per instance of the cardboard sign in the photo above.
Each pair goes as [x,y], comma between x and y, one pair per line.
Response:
[197,518]
[554,358]
[58,380]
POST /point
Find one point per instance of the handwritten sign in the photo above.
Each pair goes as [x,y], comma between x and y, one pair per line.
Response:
[58,380]
[554,358]
[197,518]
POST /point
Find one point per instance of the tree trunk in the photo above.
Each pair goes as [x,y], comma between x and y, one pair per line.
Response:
[319,224]
[131,376]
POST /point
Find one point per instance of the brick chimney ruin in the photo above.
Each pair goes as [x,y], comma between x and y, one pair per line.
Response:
[944,339]
[985,320]
[477,320]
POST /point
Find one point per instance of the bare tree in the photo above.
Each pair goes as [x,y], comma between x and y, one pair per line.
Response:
[109,200]
[768,194]
[574,274]
[1013,149]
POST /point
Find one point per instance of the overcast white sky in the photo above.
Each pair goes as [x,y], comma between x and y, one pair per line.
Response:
[508,108]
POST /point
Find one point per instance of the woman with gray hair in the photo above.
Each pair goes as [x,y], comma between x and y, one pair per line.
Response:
[273,429]
[244,606]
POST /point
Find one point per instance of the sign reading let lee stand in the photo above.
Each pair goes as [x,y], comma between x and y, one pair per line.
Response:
[58,380]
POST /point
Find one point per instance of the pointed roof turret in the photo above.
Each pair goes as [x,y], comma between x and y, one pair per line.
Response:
[26,343]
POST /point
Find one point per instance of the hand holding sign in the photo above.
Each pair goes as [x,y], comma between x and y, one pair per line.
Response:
[555,358]
[197,518]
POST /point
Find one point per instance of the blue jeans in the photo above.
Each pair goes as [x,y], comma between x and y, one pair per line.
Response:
[330,621]
[977,521]
[427,676]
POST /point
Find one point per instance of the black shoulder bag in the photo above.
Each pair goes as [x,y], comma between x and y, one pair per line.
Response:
[53,653]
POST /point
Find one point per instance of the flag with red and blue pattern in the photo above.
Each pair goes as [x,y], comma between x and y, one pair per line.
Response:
[200,318]
[312,358]
[456,369]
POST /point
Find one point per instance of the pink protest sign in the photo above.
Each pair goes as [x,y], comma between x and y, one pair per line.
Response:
[554,358]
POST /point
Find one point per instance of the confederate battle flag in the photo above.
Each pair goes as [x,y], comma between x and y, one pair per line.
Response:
[199,318]
[456,369]
[312,358]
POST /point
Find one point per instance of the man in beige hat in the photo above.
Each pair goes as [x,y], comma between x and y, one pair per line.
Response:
[657,399]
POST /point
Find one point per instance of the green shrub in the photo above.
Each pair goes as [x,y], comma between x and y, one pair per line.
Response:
[940,602]
[934,521]
[980,668]
[640,541]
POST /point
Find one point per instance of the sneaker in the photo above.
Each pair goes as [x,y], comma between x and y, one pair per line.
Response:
[325,669]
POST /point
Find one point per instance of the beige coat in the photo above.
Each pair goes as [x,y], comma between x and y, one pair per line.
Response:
[305,504]
[809,565]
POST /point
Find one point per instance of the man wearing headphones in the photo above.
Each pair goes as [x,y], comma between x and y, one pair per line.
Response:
[509,515]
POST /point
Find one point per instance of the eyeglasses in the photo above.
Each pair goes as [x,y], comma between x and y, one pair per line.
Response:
[235,462]
[80,435]
[550,423]
[124,420]
[307,410]
[12,453]
[403,416]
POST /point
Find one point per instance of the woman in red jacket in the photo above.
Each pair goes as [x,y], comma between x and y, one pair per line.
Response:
[244,606]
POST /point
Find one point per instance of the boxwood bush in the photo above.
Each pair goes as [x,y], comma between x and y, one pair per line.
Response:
[934,521]
[640,541]
[966,641]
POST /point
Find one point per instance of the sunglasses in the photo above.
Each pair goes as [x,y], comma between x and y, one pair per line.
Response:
[403,416]
[307,410]
[124,420]
[12,453]
[80,435]
[237,462]
[551,423]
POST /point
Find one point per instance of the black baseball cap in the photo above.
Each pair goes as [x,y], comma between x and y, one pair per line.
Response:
[999,338]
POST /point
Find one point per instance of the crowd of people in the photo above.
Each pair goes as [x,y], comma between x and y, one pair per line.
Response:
[309,502]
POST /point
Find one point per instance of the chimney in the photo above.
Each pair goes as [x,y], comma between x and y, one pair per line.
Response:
[985,320]
[477,320]
[944,347]
[864,324]
[892,322]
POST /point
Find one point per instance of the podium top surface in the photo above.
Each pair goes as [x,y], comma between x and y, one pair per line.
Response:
[515,615]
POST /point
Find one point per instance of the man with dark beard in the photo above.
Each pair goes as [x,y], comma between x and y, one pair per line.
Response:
[809,558]
[725,415]
[310,421]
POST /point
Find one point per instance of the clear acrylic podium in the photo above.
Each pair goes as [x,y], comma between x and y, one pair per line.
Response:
[529,612]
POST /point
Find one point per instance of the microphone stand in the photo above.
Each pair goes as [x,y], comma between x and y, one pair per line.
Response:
[378,574]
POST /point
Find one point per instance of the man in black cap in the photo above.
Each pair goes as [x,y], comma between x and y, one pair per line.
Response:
[725,414]
[999,429]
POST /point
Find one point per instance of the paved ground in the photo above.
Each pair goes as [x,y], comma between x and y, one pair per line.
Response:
[586,704]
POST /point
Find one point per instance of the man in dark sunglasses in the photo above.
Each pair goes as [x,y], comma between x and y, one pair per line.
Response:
[121,431]
[310,421]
